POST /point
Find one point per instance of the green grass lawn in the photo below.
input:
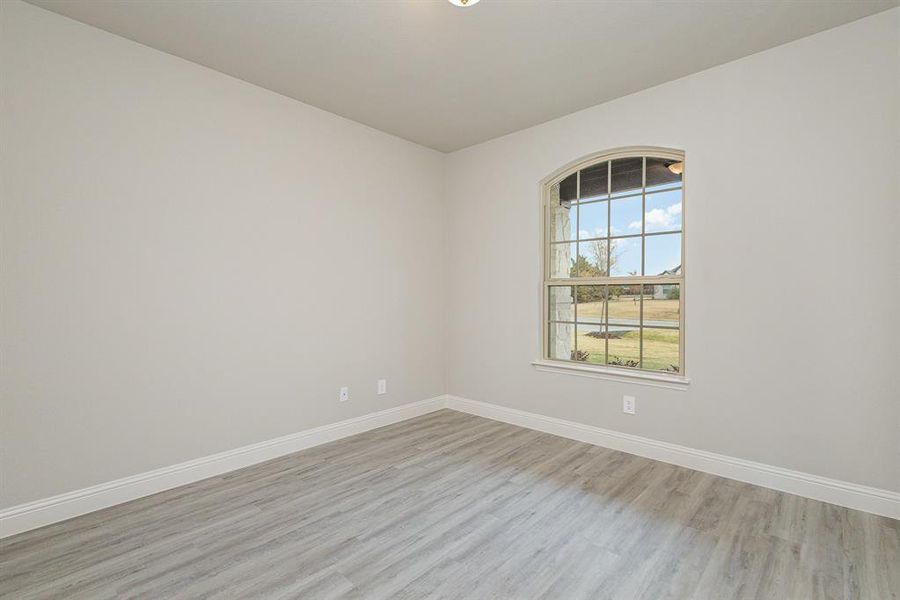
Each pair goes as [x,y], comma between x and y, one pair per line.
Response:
[660,348]
[629,307]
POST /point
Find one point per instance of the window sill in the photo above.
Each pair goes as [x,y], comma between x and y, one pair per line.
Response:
[661,380]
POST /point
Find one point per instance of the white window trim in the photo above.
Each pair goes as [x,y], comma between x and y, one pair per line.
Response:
[638,376]
[651,378]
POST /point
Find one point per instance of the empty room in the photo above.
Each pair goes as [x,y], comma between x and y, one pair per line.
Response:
[450,299]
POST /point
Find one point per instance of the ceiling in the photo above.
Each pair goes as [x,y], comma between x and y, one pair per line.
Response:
[449,77]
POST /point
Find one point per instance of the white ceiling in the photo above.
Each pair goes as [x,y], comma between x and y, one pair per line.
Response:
[449,77]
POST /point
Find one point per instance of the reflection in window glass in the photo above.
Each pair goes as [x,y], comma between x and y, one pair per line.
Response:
[663,254]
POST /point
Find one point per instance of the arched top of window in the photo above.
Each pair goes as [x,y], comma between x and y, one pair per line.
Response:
[624,172]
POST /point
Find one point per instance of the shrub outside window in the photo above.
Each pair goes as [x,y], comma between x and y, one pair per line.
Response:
[613,285]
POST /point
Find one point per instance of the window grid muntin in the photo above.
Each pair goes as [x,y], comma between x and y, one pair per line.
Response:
[607,280]
[605,321]
[598,199]
[617,237]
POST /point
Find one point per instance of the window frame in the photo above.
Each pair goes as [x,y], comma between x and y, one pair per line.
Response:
[651,377]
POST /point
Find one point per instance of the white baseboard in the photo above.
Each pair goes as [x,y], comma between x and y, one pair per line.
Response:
[850,495]
[32,515]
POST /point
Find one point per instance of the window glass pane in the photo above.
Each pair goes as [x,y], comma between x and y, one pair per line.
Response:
[568,188]
[663,254]
[561,341]
[592,220]
[561,303]
[591,305]
[662,305]
[624,305]
[562,260]
[662,211]
[661,173]
[591,343]
[594,181]
[590,329]
[627,176]
[624,346]
[661,349]
[562,217]
[593,258]
[625,216]
[625,255]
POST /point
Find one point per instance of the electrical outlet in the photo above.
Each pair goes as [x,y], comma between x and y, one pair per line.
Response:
[345,394]
[382,386]
[628,404]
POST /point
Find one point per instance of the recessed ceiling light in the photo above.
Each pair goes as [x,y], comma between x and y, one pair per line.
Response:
[463,3]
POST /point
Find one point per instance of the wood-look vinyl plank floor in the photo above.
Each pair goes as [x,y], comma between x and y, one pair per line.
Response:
[448,506]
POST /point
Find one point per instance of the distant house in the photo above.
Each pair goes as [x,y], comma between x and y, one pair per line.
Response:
[661,292]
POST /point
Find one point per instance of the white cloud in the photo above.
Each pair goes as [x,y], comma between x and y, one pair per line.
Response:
[659,218]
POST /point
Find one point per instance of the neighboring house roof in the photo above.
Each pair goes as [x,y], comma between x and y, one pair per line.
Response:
[675,271]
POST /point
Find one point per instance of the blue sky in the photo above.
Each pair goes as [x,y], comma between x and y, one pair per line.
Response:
[663,213]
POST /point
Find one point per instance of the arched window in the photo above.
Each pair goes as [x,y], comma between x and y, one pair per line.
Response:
[613,291]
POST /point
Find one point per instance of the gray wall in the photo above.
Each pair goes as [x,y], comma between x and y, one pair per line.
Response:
[792,212]
[191,264]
